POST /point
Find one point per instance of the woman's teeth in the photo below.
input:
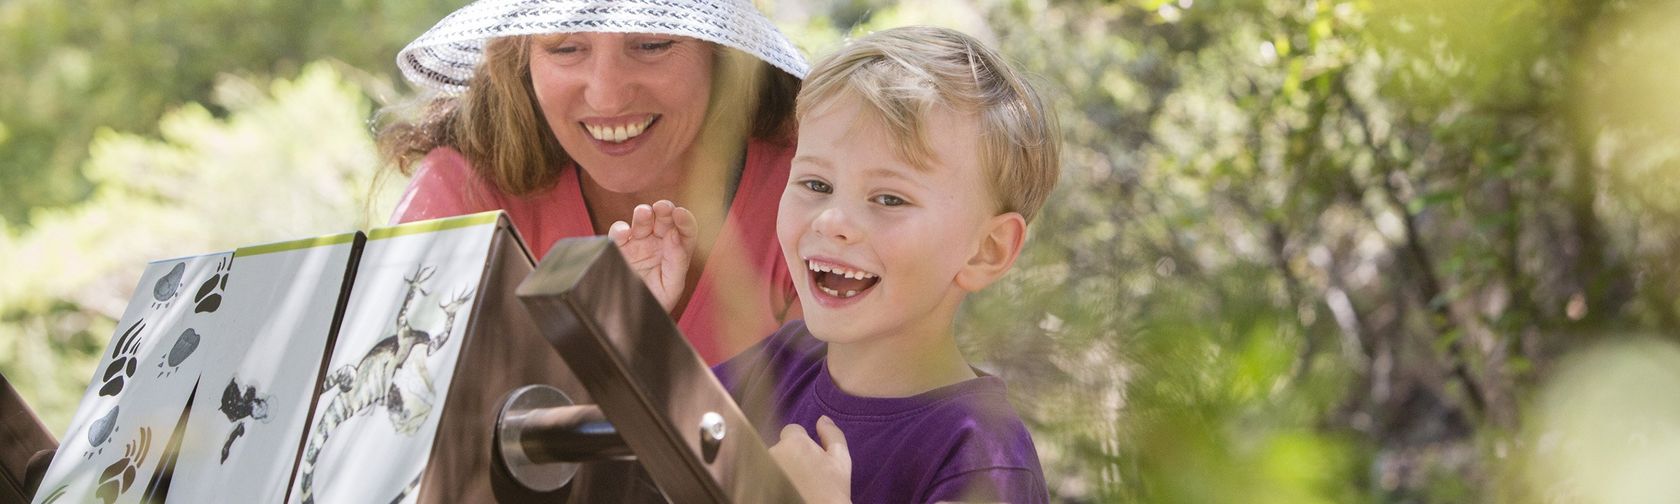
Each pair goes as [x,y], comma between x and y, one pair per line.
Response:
[618,133]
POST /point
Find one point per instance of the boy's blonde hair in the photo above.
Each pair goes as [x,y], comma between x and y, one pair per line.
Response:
[902,74]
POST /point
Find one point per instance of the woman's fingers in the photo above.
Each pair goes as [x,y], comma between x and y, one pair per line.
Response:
[619,232]
[687,228]
[662,219]
[641,221]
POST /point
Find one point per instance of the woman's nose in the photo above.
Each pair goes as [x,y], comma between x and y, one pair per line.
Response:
[833,224]
[610,87]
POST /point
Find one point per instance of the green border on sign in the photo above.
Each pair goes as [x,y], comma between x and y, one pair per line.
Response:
[319,241]
[432,226]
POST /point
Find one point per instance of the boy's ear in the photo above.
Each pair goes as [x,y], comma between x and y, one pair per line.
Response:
[1004,236]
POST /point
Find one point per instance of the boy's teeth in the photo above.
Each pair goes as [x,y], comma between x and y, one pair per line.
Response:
[836,293]
[852,274]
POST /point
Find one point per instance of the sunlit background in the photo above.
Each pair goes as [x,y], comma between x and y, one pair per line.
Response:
[1395,251]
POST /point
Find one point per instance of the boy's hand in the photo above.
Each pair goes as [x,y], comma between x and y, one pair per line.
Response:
[821,474]
[658,242]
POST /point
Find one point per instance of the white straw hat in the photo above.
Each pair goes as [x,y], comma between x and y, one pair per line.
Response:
[444,57]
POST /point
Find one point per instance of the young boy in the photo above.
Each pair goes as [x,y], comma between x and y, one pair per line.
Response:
[921,159]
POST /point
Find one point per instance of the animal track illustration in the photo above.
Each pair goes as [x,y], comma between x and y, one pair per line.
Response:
[239,406]
[371,384]
[209,296]
[184,346]
[99,432]
[119,476]
[123,359]
[169,286]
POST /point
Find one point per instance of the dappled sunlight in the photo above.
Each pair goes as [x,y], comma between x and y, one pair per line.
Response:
[289,161]
[1324,251]
[1604,428]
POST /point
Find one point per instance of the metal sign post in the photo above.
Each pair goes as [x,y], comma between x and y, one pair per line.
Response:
[656,392]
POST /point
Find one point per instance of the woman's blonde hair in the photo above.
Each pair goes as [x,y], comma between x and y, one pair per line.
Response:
[902,74]
[498,125]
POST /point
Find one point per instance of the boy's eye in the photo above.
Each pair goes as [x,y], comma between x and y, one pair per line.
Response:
[890,200]
[818,186]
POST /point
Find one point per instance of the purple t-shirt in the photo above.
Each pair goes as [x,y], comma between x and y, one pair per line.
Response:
[962,442]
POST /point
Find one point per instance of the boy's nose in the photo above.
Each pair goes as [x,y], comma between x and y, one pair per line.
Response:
[833,224]
[610,87]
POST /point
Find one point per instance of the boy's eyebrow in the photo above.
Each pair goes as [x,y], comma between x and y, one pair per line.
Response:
[874,171]
[897,174]
[817,160]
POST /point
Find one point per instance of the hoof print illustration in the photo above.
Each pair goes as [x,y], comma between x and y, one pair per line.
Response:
[184,346]
[169,286]
[119,476]
[100,431]
[123,360]
[209,297]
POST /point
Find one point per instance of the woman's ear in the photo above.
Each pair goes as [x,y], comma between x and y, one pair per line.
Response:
[996,253]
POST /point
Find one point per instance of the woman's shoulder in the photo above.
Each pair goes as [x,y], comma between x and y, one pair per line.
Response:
[759,192]
[445,162]
[770,159]
[444,184]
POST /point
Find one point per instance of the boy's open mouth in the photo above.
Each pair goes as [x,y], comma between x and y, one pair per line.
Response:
[840,281]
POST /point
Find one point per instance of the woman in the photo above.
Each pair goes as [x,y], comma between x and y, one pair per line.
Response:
[567,114]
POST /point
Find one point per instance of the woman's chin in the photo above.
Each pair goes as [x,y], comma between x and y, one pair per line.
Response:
[620,175]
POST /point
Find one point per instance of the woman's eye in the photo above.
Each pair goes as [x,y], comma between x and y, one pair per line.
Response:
[818,186]
[889,200]
[655,47]
[568,53]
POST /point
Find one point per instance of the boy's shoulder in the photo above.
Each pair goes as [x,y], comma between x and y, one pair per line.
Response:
[984,451]
[962,442]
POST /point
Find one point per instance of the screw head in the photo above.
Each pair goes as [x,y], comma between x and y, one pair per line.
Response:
[712,431]
[712,427]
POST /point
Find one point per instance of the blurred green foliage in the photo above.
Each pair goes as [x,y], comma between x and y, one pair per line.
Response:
[291,159]
[69,68]
[1323,251]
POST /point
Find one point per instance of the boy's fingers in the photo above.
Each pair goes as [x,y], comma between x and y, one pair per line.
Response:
[834,442]
[793,432]
[830,433]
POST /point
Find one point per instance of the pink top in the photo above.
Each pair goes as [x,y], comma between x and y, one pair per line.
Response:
[744,291]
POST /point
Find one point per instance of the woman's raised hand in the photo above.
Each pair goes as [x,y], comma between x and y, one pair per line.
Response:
[658,242]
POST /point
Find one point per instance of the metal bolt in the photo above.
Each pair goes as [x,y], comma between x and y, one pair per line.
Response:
[712,431]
